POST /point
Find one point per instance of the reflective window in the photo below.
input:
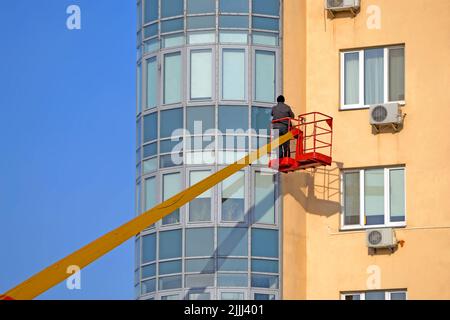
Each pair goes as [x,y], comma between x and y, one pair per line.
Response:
[151,45]
[233,22]
[267,7]
[375,295]
[170,146]
[151,30]
[138,198]
[200,265]
[233,6]
[374,76]
[265,243]
[265,266]
[152,82]
[171,186]
[261,120]
[265,23]
[171,297]
[199,242]
[150,150]
[397,194]
[151,10]
[201,37]
[351,198]
[171,123]
[201,6]
[200,208]
[233,264]
[199,280]
[232,241]
[149,248]
[397,74]
[199,296]
[150,165]
[149,271]
[233,74]
[374,196]
[169,244]
[351,78]
[170,8]
[264,281]
[173,40]
[232,296]
[172,25]
[150,127]
[172,78]
[265,76]
[139,88]
[201,74]
[168,161]
[148,286]
[202,22]
[233,203]
[167,283]
[265,39]
[398,295]
[233,37]
[170,267]
[233,118]
[232,280]
[263,296]
[200,119]
[264,208]
[150,193]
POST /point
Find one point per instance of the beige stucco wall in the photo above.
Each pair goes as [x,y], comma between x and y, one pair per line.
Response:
[319,260]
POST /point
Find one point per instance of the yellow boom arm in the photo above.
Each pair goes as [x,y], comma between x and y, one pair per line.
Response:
[57,272]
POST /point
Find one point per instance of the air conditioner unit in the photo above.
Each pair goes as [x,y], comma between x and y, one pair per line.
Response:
[386,114]
[381,238]
[342,5]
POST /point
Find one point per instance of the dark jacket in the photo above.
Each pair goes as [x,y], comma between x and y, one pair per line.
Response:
[280,111]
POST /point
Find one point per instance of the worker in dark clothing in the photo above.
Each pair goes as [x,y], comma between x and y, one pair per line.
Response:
[280,111]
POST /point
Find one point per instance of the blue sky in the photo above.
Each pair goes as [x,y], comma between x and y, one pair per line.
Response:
[67,138]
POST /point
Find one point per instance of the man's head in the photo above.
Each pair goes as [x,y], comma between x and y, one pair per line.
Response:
[281,99]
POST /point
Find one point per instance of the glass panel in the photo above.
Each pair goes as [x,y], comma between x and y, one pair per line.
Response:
[200,208]
[137,252]
[397,74]
[268,7]
[232,280]
[151,10]
[170,8]
[169,244]
[171,186]
[233,118]
[152,82]
[398,296]
[232,296]
[138,198]
[265,39]
[172,25]
[201,6]
[397,194]
[139,88]
[150,165]
[173,146]
[351,297]
[148,286]
[167,283]
[233,203]
[265,243]
[148,248]
[201,74]
[150,149]
[201,37]
[172,77]
[233,74]
[151,45]
[199,280]
[263,296]
[351,78]
[266,266]
[170,160]
[264,196]
[265,23]
[374,196]
[264,281]
[261,120]
[200,265]
[202,22]
[150,193]
[265,76]
[233,37]
[151,30]
[374,76]
[171,123]
[200,119]
[149,271]
[199,242]
[174,40]
[199,296]
[233,6]
[170,267]
[233,22]
[233,264]
[171,297]
[351,198]
[139,16]
[375,295]
[234,142]
[232,241]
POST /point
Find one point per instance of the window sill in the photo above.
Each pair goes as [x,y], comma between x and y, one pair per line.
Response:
[365,107]
[364,228]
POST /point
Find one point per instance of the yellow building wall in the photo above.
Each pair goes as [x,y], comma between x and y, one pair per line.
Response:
[338,261]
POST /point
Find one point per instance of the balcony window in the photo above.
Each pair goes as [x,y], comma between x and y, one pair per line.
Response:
[266,7]
[201,6]
[233,74]
[151,10]
[233,6]
[149,248]
[152,82]
[171,8]
[264,195]
[232,242]
[171,186]
[200,208]
[265,243]
[201,82]
[199,242]
[265,76]
[170,244]
[233,203]
[172,78]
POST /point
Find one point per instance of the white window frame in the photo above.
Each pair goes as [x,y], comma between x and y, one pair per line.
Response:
[387,213]
[362,294]
[361,104]
[196,101]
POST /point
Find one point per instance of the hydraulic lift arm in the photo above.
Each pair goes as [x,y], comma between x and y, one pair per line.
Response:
[57,272]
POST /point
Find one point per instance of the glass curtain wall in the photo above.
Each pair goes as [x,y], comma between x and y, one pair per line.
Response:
[208,73]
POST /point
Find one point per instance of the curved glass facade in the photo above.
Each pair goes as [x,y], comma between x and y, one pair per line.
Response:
[208,73]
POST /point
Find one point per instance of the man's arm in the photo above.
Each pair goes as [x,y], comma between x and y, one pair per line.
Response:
[291,114]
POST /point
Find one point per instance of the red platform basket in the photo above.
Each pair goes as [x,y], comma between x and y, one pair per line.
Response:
[313,139]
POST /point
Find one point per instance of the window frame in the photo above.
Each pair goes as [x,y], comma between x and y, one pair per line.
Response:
[362,294]
[145,81]
[213,190]
[387,216]
[277,85]
[362,104]
[246,221]
[201,48]
[222,49]
[164,53]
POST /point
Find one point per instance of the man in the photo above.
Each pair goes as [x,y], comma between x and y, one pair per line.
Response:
[280,111]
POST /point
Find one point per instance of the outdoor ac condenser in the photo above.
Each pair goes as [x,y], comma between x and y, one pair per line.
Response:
[386,114]
[342,5]
[381,238]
